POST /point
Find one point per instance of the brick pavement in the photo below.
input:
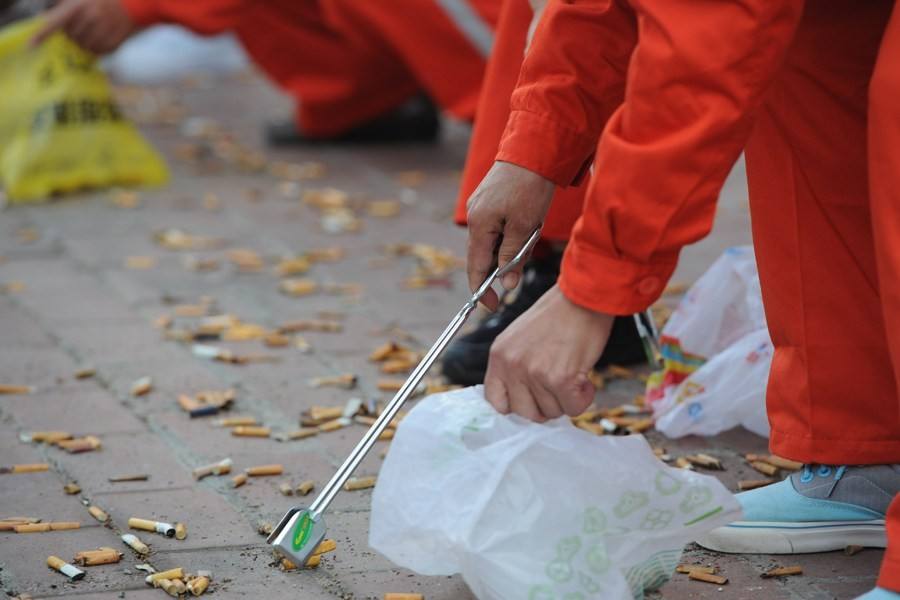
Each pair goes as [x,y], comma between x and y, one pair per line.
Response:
[81,306]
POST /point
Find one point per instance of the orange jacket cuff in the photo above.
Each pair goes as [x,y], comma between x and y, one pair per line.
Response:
[142,12]
[540,144]
[610,285]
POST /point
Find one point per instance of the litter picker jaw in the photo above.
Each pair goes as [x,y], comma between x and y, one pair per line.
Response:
[297,535]
[301,530]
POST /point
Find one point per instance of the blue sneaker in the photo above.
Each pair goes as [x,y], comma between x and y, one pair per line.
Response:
[819,509]
[879,594]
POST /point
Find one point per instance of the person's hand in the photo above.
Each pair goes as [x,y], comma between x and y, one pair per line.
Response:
[511,202]
[539,365]
[98,26]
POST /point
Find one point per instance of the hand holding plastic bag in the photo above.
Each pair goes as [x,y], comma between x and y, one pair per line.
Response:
[60,128]
[536,511]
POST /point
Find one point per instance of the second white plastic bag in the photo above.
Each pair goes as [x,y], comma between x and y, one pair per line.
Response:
[536,511]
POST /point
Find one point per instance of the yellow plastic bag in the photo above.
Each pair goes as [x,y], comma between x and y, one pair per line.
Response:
[60,128]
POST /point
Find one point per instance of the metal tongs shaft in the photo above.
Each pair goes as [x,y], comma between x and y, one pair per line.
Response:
[403,394]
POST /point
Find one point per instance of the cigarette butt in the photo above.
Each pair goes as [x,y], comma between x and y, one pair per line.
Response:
[276,340]
[619,372]
[141,386]
[198,585]
[265,470]
[31,527]
[326,413]
[384,351]
[752,484]
[641,425]
[167,529]
[126,478]
[30,468]
[783,463]
[764,467]
[298,434]
[783,572]
[176,588]
[85,373]
[264,527]
[188,404]
[15,389]
[135,544]
[750,457]
[331,425]
[103,556]
[390,385]
[346,381]
[298,286]
[180,531]
[239,480]
[219,468]
[251,431]
[707,577]
[176,573]
[49,437]
[236,421]
[398,365]
[83,444]
[286,489]
[706,461]
[164,584]
[853,549]
[683,463]
[359,483]
[305,487]
[365,420]
[403,596]
[325,546]
[70,571]
[64,525]
[687,569]
[71,488]
[98,513]
[386,435]
[313,561]
[287,565]
[594,428]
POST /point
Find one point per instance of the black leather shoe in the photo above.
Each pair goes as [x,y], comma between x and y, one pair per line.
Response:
[465,359]
[416,120]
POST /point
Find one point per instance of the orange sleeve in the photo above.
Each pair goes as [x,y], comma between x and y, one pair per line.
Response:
[205,17]
[571,81]
[696,76]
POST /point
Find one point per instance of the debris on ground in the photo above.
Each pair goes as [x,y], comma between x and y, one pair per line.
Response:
[125,478]
[222,467]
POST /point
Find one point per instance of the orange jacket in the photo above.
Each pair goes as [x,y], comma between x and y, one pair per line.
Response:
[694,78]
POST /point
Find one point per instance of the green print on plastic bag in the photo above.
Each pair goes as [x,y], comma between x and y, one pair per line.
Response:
[656,518]
[695,497]
[630,502]
[568,547]
[594,521]
[597,559]
[559,571]
[541,592]
[666,484]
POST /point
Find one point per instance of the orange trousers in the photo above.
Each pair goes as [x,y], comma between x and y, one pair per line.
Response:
[493,111]
[823,166]
[348,61]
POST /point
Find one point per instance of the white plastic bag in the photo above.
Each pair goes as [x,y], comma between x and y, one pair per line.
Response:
[717,353]
[728,390]
[532,511]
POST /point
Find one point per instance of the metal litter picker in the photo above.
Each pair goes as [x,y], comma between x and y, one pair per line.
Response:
[301,530]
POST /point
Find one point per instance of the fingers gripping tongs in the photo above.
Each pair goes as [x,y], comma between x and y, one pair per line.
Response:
[301,530]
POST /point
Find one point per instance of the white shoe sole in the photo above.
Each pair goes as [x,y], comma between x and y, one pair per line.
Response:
[763,537]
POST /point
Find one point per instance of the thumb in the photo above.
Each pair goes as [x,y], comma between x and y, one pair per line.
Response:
[54,20]
[514,239]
